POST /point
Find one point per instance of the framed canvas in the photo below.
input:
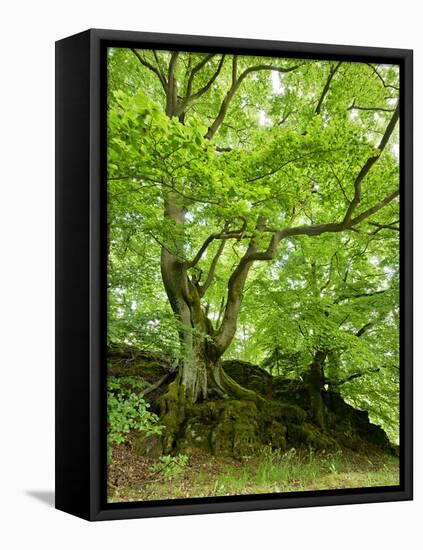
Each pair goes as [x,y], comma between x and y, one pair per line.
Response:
[233,274]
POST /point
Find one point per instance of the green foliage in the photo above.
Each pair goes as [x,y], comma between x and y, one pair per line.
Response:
[127,411]
[170,467]
[124,385]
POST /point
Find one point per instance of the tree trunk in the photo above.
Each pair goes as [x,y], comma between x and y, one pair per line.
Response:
[199,367]
[315,382]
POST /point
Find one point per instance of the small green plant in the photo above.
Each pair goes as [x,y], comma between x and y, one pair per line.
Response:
[169,466]
[128,411]
[334,462]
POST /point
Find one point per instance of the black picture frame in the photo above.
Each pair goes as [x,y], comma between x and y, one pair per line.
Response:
[81,274]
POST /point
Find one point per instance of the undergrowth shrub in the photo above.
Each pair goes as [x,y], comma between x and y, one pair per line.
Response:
[127,410]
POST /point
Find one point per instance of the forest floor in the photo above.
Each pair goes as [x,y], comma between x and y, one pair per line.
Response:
[201,474]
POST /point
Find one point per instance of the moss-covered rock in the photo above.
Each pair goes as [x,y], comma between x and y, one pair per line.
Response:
[128,361]
[275,435]
[236,432]
[262,410]
[286,413]
[173,409]
[224,427]
[310,436]
[196,434]
[148,445]
[249,376]
[352,427]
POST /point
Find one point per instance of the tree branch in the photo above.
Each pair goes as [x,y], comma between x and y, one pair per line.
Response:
[360,374]
[332,72]
[316,229]
[355,296]
[374,208]
[202,289]
[202,249]
[236,285]
[156,385]
[195,70]
[290,161]
[167,185]
[354,376]
[381,78]
[358,108]
[328,280]
[156,57]
[369,163]
[192,97]
[285,117]
[256,68]
[380,226]
[225,234]
[339,181]
[237,279]
[364,329]
[236,82]
[151,67]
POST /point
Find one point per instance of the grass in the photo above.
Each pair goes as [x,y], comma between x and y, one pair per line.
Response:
[272,472]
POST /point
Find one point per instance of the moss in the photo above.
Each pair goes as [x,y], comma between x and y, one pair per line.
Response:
[173,408]
[275,435]
[197,429]
[292,391]
[352,427]
[309,435]
[150,446]
[224,427]
[196,434]
[318,410]
[262,410]
[239,392]
[249,376]
[236,433]
[285,412]
[128,361]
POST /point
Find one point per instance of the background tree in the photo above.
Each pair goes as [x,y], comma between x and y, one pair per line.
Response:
[330,318]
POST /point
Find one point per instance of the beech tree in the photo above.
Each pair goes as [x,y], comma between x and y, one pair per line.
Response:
[220,168]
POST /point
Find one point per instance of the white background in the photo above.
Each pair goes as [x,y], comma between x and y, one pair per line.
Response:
[27,37]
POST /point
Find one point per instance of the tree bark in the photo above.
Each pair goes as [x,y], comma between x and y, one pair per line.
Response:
[315,382]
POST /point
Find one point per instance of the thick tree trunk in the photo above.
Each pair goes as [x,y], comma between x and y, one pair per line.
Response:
[199,365]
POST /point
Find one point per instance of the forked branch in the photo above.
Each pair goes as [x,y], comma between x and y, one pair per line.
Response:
[236,83]
[190,97]
[225,234]
[151,67]
[369,163]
